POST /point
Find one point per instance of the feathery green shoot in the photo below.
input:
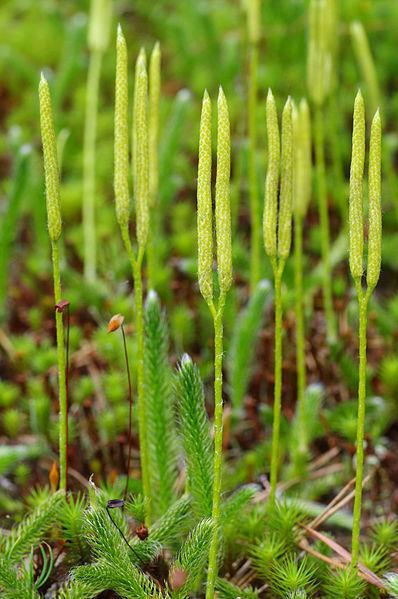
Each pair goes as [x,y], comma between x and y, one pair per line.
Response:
[195,434]
[161,433]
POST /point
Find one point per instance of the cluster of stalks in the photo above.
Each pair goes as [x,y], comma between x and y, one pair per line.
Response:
[287,192]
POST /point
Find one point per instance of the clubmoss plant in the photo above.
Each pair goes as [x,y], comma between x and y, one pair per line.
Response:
[141,193]
[253,30]
[319,79]
[277,228]
[364,58]
[301,199]
[205,276]
[153,141]
[98,38]
[356,266]
[54,230]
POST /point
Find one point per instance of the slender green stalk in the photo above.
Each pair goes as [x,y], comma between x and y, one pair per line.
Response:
[278,271]
[324,222]
[363,299]
[299,312]
[63,415]
[98,36]
[55,229]
[254,198]
[90,132]
[218,437]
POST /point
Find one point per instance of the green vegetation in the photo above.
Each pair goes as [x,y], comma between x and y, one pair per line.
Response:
[153,444]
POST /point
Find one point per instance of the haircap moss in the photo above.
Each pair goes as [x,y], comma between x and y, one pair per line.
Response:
[356,191]
[121,184]
[50,161]
[222,211]
[272,179]
[204,204]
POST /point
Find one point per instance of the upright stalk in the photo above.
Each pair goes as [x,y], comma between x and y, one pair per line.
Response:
[253,26]
[363,299]
[276,422]
[255,263]
[122,201]
[356,266]
[205,277]
[54,222]
[218,439]
[300,338]
[90,133]
[141,405]
[62,396]
[324,222]
[98,36]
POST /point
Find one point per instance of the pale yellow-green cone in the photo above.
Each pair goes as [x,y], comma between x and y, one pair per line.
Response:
[140,64]
[356,188]
[141,186]
[50,161]
[272,179]
[154,96]
[204,204]
[99,24]
[222,210]
[253,20]
[375,226]
[319,59]
[121,175]
[286,187]
[302,162]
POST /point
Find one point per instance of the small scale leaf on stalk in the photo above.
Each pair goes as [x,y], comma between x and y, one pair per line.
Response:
[223,210]
[50,161]
[286,187]
[204,204]
[272,179]
[356,192]
[375,226]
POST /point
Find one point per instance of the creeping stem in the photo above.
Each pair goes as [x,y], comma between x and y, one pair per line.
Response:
[63,415]
[324,222]
[363,299]
[217,314]
[277,267]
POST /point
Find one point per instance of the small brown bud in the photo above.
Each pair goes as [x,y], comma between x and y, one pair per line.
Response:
[115,323]
[142,532]
[53,477]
